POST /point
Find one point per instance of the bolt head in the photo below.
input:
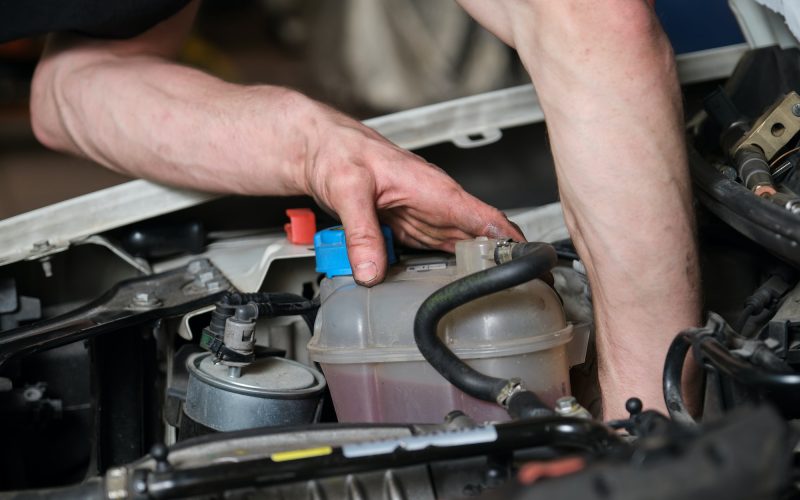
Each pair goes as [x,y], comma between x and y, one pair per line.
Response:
[796,110]
[205,277]
[116,472]
[145,299]
[566,403]
[196,266]
[32,394]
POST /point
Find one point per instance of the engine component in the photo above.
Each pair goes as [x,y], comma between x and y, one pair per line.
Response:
[747,455]
[131,302]
[230,388]
[750,368]
[774,129]
[771,218]
[364,341]
[311,459]
[231,334]
[768,224]
[268,392]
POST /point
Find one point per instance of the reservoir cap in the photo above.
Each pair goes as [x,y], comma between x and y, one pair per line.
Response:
[330,246]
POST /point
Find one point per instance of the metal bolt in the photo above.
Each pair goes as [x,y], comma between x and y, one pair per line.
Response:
[196,266]
[234,371]
[47,267]
[117,472]
[566,404]
[32,394]
[140,486]
[145,299]
[796,110]
[205,277]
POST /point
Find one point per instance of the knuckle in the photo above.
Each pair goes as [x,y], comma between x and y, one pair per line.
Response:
[349,178]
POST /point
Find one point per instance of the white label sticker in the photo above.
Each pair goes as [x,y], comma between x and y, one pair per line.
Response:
[460,437]
[421,268]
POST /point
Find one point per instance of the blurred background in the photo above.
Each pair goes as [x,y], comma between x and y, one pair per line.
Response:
[366,57]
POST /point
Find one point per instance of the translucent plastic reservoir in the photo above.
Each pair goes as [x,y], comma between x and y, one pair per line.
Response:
[364,341]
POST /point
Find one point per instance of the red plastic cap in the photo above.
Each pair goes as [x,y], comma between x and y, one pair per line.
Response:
[301,227]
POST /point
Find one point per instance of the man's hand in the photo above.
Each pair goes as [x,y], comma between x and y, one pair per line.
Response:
[125,105]
[353,171]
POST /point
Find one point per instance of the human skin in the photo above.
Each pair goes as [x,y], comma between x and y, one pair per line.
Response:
[605,75]
[606,80]
[127,106]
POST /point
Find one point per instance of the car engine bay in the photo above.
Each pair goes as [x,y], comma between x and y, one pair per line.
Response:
[157,360]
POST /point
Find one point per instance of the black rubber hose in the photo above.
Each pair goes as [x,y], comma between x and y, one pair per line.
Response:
[771,226]
[709,350]
[721,358]
[529,261]
[673,375]
[744,316]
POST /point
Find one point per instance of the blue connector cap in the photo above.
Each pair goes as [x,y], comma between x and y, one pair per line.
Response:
[331,250]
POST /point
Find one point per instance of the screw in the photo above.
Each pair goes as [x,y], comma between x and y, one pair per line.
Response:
[47,267]
[145,299]
[205,277]
[196,266]
[796,110]
[565,404]
[117,472]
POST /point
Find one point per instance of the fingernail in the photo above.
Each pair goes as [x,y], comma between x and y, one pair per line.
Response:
[366,272]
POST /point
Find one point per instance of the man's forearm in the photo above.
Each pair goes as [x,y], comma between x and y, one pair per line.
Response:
[605,76]
[150,117]
[609,90]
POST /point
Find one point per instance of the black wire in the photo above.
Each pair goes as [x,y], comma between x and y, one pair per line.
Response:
[673,376]
[744,316]
[708,349]
[721,358]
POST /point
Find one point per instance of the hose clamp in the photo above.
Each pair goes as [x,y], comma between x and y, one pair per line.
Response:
[502,251]
[513,386]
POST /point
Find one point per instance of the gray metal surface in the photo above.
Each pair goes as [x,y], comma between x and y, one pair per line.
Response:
[269,392]
[468,122]
[790,309]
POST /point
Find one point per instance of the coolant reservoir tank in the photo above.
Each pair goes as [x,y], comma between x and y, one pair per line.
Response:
[364,340]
